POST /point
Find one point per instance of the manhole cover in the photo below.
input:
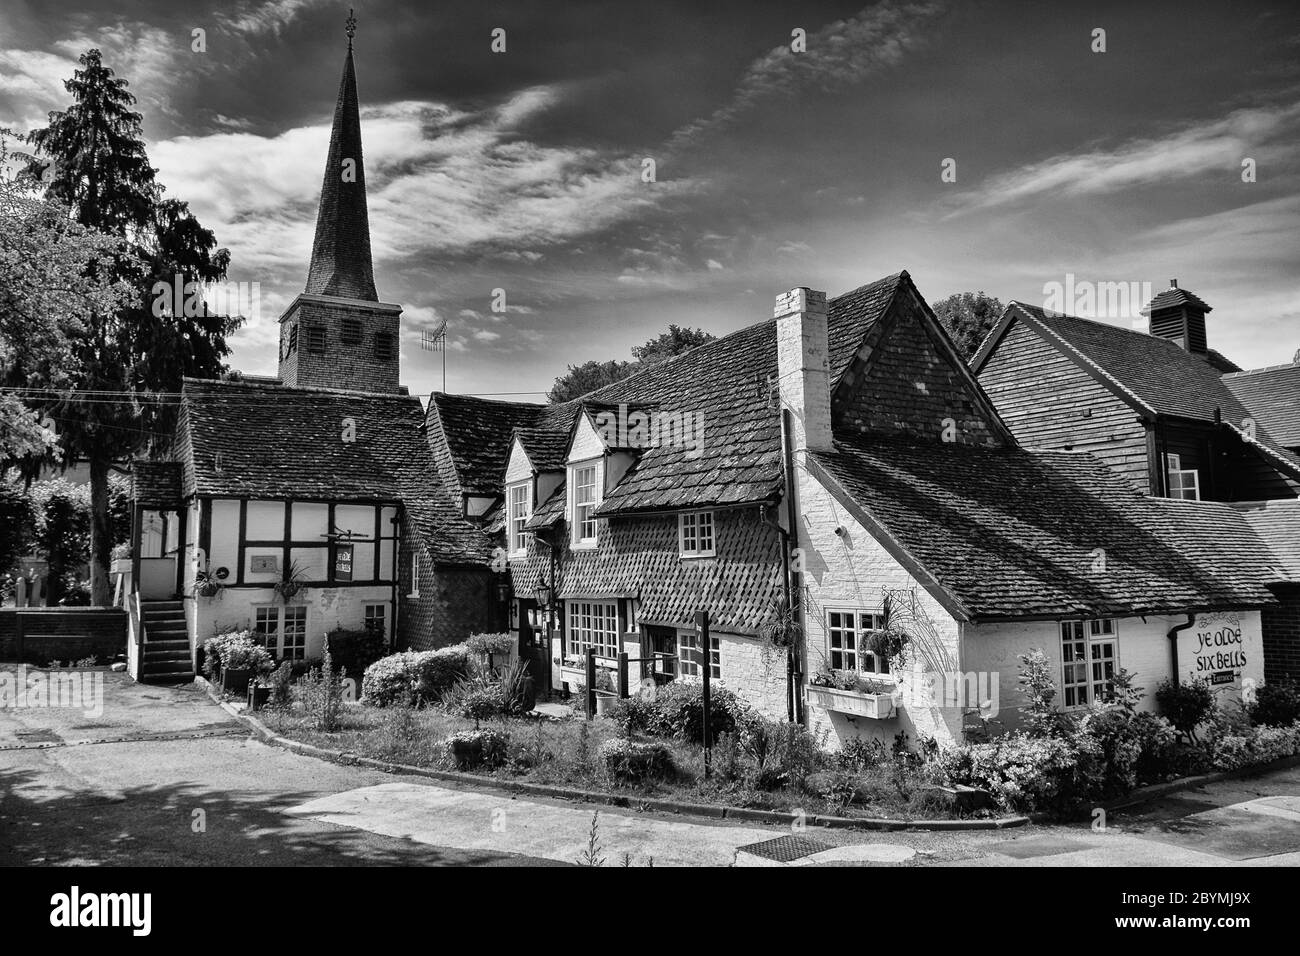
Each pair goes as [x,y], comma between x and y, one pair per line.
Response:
[786,849]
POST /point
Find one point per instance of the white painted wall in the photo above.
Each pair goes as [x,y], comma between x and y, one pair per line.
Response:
[327,609]
[518,467]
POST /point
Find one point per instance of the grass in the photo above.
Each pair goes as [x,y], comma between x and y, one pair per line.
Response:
[566,753]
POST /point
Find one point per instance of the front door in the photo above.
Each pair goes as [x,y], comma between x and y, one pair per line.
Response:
[534,649]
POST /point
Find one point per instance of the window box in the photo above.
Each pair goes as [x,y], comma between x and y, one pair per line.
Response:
[853,703]
[573,673]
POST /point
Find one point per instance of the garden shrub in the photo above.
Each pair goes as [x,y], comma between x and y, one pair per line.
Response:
[629,763]
[678,711]
[861,753]
[322,694]
[281,684]
[1276,705]
[517,689]
[1255,745]
[475,698]
[500,645]
[413,678]
[1025,773]
[633,714]
[239,652]
[356,649]
[480,748]
[1185,706]
[1040,716]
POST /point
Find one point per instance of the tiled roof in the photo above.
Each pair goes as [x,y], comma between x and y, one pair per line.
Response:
[156,484]
[1278,525]
[727,386]
[241,439]
[1009,533]
[546,448]
[1174,297]
[1156,375]
[1273,397]
[549,512]
[478,433]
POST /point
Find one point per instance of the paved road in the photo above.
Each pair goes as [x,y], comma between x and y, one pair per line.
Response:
[164,777]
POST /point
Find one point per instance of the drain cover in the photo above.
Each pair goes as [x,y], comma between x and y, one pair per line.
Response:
[786,849]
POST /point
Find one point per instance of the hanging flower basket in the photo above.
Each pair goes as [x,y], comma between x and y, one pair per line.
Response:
[888,644]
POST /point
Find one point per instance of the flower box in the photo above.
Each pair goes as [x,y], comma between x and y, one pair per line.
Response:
[853,703]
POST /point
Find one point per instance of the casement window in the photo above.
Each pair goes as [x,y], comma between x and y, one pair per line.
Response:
[383,346]
[1088,660]
[695,534]
[350,332]
[282,630]
[414,590]
[1183,482]
[688,655]
[517,516]
[376,618]
[586,498]
[844,630]
[316,337]
[266,628]
[593,624]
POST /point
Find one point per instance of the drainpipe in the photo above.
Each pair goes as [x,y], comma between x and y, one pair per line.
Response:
[1173,645]
[793,582]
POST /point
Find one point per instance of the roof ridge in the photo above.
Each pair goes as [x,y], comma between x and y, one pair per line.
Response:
[1257,371]
[281,387]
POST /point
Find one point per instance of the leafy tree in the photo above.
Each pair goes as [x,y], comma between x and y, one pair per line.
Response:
[673,342]
[93,159]
[968,317]
[53,271]
[581,379]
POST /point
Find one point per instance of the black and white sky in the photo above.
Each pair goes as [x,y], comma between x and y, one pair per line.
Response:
[522,170]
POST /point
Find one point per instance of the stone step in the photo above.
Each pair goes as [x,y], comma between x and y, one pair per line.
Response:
[148,606]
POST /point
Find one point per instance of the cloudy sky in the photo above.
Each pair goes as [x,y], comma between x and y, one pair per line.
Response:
[522,170]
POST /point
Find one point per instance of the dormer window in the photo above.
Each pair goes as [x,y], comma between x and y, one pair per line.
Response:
[350,332]
[695,534]
[1183,482]
[384,346]
[519,511]
[585,480]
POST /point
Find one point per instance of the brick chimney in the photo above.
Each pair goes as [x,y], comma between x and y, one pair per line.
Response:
[1178,315]
[803,366]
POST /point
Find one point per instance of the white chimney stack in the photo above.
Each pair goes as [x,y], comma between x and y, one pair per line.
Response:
[803,366]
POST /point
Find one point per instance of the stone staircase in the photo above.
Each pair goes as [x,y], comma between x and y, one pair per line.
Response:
[165,656]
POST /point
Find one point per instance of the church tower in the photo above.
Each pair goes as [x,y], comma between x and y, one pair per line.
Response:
[337,334]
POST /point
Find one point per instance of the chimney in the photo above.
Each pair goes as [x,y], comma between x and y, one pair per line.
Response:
[803,366]
[1178,315]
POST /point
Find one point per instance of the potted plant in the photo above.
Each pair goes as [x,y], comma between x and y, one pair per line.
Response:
[782,628]
[206,585]
[889,642]
[121,558]
[259,693]
[606,694]
[241,659]
[294,575]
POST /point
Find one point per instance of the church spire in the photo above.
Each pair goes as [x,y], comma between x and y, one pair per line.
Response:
[340,254]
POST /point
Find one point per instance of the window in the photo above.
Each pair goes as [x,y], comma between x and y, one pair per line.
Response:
[350,332]
[383,346]
[845,630]
[414,592]
[266,628]
[1087,661]
[376,616]
[1183,482]
[585,499]
[518,517]
[688,648]
[695,534]
[593,624]
[316,338]
[294,633]
[293,338]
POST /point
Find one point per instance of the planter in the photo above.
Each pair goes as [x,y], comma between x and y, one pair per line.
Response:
[234,680]
[258,696]
[122,566]
[570,674]
[853,703]
[605,702]
[528,691]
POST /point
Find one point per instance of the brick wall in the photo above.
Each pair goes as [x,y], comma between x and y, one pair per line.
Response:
[39,635]
[1282,634]
[453,604]
[358,366]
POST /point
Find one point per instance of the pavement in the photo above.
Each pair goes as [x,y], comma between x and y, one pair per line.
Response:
[162,776]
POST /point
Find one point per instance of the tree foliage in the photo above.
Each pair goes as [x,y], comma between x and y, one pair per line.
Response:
[129,360]
[968,317]
[589,376]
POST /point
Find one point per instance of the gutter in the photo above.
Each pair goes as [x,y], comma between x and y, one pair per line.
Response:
[1173,643]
